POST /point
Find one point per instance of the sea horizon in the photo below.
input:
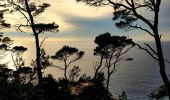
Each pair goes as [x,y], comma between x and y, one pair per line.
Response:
[138,78]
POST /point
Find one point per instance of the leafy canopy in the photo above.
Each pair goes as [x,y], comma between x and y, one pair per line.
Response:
[66,52]
[107,44]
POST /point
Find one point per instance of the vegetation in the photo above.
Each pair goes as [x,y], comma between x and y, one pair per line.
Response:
[28,82]
[25,83]
[68,55]
[3,23]
[160,93]
[30,10]
[16,55]
[111,50]
[127,16]
[19,85]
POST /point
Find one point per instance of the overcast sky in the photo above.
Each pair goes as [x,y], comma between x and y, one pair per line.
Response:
[78,21]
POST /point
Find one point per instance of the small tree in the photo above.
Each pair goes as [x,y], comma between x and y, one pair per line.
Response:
[74,73]
[45,59]
[16,54]
[111,50]
[29,9]
[68,55]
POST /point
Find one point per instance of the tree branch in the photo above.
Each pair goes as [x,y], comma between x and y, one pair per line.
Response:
[119,4]
[141,17]
[43,41]
[58,67]
[151,48]
[143,29]
[145,49]
[21,25]
[28,21]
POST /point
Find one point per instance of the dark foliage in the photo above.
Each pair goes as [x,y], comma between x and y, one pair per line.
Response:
[5,42]
[45,62]
[74,73]
[161,92]
[107,43]
[14,87]
[65,51]
[19,49]
[3,10]
[50,27]
[5,45]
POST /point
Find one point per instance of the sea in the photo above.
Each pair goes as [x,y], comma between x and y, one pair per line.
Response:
[138,77]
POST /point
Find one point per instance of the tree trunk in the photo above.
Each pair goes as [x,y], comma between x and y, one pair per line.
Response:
[65,69]
[65,73]
[159,48]
[108,78]
[98,67]
[39,73]
[162,63]
[38,64]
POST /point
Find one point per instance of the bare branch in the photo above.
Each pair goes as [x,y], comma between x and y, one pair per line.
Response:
[151,48]
[143,29]
[73,61]
[12,56]
[14,4]
[21,25]
[119,4]
[153,52]
[58,67]
[21,11]
[28,21]
[43,41]
[141,17]
[145,49]
[167,61]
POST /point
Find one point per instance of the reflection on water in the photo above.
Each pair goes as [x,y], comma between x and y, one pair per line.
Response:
[137,77]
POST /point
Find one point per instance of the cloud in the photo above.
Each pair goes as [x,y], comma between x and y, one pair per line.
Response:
[78,20]
[60,7]
[90,27]
[60,11]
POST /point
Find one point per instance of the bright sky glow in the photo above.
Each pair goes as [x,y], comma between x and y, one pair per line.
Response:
[76,20]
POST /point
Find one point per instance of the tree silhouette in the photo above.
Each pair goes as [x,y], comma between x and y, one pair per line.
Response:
[16,54]
[5,43]
[30,10]
[127,16]
[111,50]
[74,73]
[3,9]
[68,55]
[44,61]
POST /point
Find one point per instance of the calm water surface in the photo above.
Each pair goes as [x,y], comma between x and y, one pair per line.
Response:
[138,77]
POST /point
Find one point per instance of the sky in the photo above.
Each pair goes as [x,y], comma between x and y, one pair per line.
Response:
[78,21]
